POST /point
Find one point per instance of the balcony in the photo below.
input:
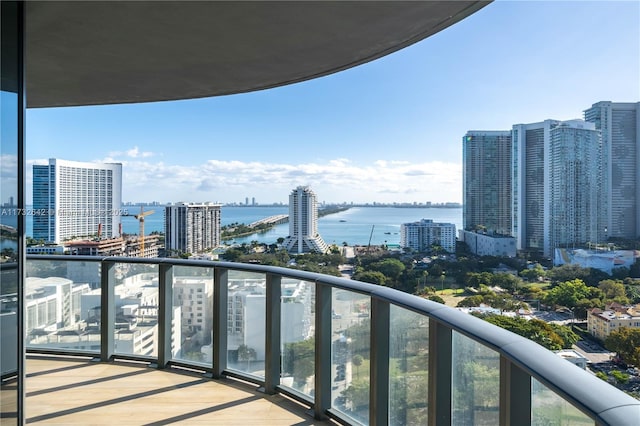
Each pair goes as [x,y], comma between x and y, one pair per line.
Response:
[264,344]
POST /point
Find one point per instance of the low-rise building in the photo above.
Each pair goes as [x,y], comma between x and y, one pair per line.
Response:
[125,247]
[488,244]
[46,249]
[601,323]
[573,357]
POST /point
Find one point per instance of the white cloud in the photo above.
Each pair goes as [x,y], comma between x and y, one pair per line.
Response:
[132,153]
[338,180]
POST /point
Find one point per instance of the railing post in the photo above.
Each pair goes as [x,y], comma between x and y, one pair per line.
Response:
[322,398]
[379,368]
[272,334]
[439,374]
[515,394]
[220,308]
[107,309]
[165,313]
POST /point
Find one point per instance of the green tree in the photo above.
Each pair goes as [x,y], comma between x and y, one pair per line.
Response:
[567,273]
[245,353]
[551,336]
[626,343]
[533,274]
[373,277]
[299,360]
[471,301]
[614,290]
[506,281]
[391,268]
[568,293]
[357,362]
[436,298]
[357,394]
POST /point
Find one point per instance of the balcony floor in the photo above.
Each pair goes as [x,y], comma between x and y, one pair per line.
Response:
[66,391]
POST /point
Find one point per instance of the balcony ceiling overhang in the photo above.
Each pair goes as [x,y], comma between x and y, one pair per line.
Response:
[93,53]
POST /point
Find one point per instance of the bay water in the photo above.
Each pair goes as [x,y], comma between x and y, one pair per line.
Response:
[354,226]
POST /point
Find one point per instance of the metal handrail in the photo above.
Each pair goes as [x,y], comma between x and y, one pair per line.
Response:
[594,397]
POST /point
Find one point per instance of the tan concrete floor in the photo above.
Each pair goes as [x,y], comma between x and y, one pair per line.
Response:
[66,391]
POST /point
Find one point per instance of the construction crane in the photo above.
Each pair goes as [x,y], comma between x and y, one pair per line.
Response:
[140,217]
[370,236]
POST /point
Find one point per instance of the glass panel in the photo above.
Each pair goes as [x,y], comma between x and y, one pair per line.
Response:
[549,409]
[10,240]
[297,339]
[192,316]
[408,367]
[246,317]
[136,309]
[62,305]
[351,330]
[475,382]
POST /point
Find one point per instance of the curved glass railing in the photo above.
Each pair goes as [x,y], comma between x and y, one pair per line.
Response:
[355,352]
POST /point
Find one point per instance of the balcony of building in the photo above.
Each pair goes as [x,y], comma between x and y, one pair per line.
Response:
[165,340]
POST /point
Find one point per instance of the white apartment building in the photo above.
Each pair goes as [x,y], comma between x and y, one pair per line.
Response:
[76,199]
[52,303]
[422,235]
[303,223]
[246,307]
[195,297]
[577,196]
[488,244]
[192,227]
[486,177]
[557,181]
[619,124]
[531,208]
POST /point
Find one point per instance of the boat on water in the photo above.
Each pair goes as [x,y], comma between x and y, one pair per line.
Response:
[342,220]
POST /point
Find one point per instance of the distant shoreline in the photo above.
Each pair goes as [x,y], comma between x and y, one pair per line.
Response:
[348,206]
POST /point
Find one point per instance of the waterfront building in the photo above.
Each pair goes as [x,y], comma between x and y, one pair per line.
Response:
[601,323]
[530,183]
[486,177]
[482,244]
[76,199]
[558,193]
[424,234]
[192,227]
[577,195]
[619,124]
[303,223]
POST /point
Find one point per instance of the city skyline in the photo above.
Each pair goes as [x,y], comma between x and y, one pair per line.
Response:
[385,131]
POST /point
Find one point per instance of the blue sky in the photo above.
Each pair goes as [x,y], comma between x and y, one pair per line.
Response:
[386,131]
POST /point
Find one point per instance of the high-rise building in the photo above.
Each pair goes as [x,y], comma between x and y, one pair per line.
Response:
[557,192]
[487,181]
[619,124]
[192,227]
[530,183]
[303,223]
[76,199]
[424,234]
[578,205]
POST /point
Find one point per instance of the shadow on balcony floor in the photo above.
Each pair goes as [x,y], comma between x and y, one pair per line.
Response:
[79,391]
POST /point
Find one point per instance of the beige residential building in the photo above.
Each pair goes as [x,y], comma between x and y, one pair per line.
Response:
[601,323]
